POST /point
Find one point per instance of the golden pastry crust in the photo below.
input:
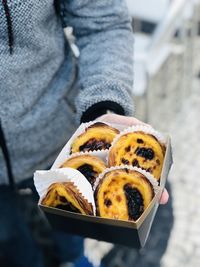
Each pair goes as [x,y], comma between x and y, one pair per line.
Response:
[123,194]
[138,149]
[98,136]
[67,197]
[89,166]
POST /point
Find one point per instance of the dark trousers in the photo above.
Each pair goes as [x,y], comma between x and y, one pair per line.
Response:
[17,245]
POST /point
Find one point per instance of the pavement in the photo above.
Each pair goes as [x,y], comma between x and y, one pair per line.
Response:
[184,243]
[174,107]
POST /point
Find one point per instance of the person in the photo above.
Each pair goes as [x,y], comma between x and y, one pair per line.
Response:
[43,98]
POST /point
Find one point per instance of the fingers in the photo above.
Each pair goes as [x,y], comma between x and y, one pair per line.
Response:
[164,198]
[119,119]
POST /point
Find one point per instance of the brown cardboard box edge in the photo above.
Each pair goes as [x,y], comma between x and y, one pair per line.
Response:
[126,233]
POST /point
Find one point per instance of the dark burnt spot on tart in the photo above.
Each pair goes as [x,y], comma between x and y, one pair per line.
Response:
[107,146]
[125,161]
[140,141]
[94,144]
[135,202]
[128,148]
[118,198]
[158,161]
[135,163]
[62,199]
[65,204]
[144,152]
[126,170]
[68,207]
[88,172]
[107,202]
[149,170]
[105,193]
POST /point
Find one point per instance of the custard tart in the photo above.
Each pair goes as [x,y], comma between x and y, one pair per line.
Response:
[89,166]
[138,149]
[123,194]
[66,196]
[98,136]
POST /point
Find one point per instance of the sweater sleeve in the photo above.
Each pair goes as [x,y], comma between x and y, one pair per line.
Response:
[105,39]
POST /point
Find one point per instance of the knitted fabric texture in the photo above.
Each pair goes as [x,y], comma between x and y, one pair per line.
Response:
[37,95]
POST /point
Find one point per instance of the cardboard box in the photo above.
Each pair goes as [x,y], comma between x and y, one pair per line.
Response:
[133,234]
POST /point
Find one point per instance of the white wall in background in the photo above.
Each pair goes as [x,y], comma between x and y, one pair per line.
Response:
[150,10]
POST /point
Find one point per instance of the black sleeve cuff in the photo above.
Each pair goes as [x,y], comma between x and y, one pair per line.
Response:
[101,108]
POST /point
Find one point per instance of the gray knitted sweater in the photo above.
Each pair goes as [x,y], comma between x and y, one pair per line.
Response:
[37,74]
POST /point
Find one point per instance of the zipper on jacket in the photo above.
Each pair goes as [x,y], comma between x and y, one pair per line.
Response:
[9,25]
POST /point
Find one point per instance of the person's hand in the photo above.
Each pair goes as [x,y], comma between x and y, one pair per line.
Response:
[119,119]
[129,121]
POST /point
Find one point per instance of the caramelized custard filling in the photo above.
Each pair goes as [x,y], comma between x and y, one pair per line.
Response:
[134,202]
[94,144]
[68,207]
[88,172]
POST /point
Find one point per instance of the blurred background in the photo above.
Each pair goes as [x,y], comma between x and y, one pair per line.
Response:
[167,96]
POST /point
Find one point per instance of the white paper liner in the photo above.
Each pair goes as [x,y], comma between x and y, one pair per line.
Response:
[43,179]
[65,152]
[150,177]
[141,128]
